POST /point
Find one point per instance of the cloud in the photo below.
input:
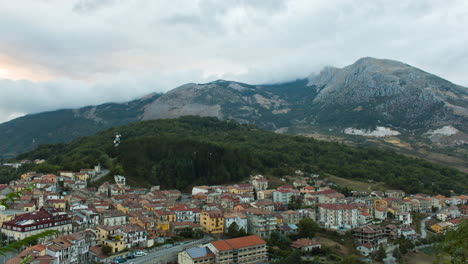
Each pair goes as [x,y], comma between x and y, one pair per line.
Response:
[91,51]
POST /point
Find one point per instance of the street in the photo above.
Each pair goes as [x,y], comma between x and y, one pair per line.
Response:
[100,175]
[166,255]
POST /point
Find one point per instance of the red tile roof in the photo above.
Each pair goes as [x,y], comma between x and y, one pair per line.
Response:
[236,243]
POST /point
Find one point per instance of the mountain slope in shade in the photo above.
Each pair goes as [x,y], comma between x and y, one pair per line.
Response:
[368,98]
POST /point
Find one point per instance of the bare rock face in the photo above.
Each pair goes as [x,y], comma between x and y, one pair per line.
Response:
[388,92]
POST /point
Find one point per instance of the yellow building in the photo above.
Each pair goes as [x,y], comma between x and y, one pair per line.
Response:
[7,215]
[380,204]
[212,222]
[108,236]
[82,176]
[440,228]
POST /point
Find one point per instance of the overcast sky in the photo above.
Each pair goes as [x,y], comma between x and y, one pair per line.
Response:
[70,53]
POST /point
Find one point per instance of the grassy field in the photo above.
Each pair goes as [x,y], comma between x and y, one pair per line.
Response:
[357,185]
[418,258]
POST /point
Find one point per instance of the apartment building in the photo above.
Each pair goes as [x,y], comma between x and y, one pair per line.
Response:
[25,225]
[260,222]
[246,250]
[212,222]
[338,216]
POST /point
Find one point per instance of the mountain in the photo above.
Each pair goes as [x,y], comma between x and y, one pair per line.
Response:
[30,131]
[204,150]
[373,101]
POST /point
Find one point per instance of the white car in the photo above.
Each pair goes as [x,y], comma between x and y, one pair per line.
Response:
[140,254]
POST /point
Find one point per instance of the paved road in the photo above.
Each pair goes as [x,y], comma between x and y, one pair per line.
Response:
[165,255]
[99,176]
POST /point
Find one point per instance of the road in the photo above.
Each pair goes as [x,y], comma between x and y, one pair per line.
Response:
[165,255]
[100,175]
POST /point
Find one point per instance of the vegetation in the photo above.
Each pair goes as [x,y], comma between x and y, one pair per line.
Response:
[307,228]
[234,231]
[455,245]
[16,246]
[194,150]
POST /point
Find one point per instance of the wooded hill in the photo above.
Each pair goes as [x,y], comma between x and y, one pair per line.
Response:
[195,150]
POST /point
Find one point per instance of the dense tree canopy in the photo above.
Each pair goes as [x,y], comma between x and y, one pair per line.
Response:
[194,150]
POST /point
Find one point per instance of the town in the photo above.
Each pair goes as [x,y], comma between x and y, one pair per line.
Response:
[259,220]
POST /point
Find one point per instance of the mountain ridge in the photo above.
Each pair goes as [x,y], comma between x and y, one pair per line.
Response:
[368,94]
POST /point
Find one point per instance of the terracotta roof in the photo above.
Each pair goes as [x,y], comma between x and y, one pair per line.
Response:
[236,243]
[304,242]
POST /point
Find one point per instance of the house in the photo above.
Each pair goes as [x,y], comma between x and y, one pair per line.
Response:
[265,194]
[63,249]
[111,236]
[5,190]
[380,213]
[235,217]
[135,236]
[200,189]
[259,183]
[196,255]
[291,217]
[113,218]
[408,233]
[366,249]
[464,210]
[287,229]
[404,218]
[212,222]
[83,241]
[395,194]
[306,245]
[441,228]
[248,250]
[183,213]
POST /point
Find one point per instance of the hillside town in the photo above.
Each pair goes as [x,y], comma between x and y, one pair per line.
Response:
[236,223]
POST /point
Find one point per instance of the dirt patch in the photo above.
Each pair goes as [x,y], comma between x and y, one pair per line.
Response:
[337,247]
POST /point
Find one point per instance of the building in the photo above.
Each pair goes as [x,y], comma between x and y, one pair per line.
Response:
[259,183]
[111,236]
[212,222]
[404,218]
[248,250]
[284,196]
[372,234]
[338,216]
[63,249]
[196,255]
[25,225]
[260,222]
[235,217]
[306,245]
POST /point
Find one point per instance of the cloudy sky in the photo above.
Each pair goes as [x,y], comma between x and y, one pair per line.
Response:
[66,54]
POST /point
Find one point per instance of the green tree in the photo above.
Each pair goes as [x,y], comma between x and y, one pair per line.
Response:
[455,245]
[380,254]
[307,228]
[233,230]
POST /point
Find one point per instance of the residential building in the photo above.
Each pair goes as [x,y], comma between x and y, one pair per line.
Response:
[338,216]
[370,233]
[260,222]
[235,217]
[212,222]
[63,249]
[28,224]
[196,255]
[246,250]
[306,245]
